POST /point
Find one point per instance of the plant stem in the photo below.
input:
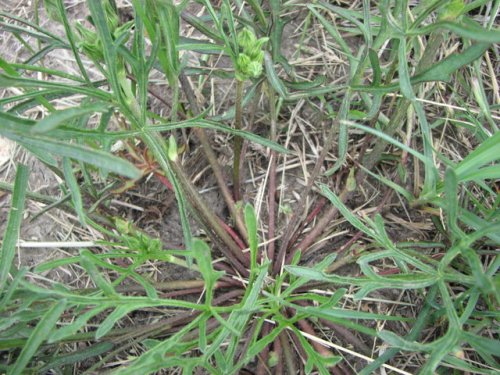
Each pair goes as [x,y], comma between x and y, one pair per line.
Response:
[238,141]
[323,222]
[212,160]
[295,220]
[211,222]
[288,353]
[271,201]
[262,367]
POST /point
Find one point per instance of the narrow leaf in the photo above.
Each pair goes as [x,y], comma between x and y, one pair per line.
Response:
[38,336]
[13,223]
[60,117]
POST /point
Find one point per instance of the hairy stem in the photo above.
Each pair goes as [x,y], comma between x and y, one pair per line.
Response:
[238,141]
[271,196]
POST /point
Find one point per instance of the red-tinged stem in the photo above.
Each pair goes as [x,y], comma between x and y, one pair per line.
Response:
[307,328]
[299,211]
[238,141]
[315,212]
[206,216]
[318,229]
[233,234]
[347,336]
[212,159]
[164,181]
[278,352]
[288,353]
[262,367]
[271,196]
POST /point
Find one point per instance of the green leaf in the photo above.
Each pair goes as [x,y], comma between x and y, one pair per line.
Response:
[467,29]
[112,318]
[74,189]
[77,324]
[77,357]
[97,158]
[202,254]
[399,342]
[88,263]
[13,223]
[60,117]
[404,76]
[38,336]
[440,71]
[251,224]
[273,78]
[352,218]
[485,153]
[451,199]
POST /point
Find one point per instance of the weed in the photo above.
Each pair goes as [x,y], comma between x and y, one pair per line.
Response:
[388,248]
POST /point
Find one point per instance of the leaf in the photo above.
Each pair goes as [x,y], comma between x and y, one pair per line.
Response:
[13,223]
[58,118]
[404,76]
[38,336]
[399,342]
[273,78]
[443,70]
[451,200]
[251,224]
[112,318]
[440,71]
[467,29]
[485,153]
[352,218]
[88,263]
[78,323]
[74,189]
[51,9]
[76,357]
[97,158]
[202,254]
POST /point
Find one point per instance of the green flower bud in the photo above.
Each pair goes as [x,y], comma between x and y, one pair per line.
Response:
[242,67]
[249,62]
[111,17]
[246,38]
[89,43]
[254,69]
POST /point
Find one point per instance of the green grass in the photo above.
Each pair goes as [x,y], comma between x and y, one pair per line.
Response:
[390,240]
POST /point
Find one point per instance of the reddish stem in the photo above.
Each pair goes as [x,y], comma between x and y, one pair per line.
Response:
[233,234]
[164,181]
[278,352]
[262,368]
[316,210]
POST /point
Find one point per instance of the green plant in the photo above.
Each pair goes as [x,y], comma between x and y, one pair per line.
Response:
[264,297]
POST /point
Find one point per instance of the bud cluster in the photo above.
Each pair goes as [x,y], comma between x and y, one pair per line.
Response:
[249,62]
